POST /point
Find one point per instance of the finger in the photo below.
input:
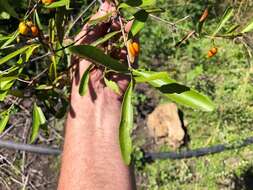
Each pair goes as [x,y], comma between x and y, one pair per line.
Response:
[116,25]
[128,26]
[86,36]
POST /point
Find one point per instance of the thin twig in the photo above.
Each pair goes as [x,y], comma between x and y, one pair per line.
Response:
[78,17]
[7,131]
[125,40]
[162,20]
[34,7]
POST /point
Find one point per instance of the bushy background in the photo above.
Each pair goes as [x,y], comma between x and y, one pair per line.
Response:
[226,78]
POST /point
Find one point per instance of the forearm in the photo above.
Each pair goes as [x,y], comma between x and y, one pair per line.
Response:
[91,157]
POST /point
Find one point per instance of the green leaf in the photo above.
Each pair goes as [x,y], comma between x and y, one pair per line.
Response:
[248,28]
[53,69]
[30,51]
[96,55]
[126,125]
[6,83]
[57,4]
[4,15]
[83,87]
[3,94]
[41,116]
[226,16]
[9,71]
[137,3]
[100,19]
[232,28]
[3,38]
[140,18]
[13,54]
[38,119]
[154,10]
[4,4]
[44,87]
[4,120]
[11,39]
[174,91]
[112,85]
[68,4]
[37,19]
[60,22]
[104,38]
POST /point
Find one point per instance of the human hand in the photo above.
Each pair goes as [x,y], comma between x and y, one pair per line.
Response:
[89,35]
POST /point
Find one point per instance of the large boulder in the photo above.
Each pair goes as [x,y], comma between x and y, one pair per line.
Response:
[165,126]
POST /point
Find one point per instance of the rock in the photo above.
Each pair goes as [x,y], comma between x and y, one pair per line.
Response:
[165,126]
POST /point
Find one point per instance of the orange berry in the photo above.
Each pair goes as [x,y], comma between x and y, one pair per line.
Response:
[204,15]
[35,31]
[47,2]
[132,50]
[23,29]
[136,47]
[209,54]
[212,52]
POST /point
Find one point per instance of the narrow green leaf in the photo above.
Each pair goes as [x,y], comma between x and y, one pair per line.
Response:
[68,4]
[126,125]
[13,54]
[60,22]
[37,18]
[104,38]
[248,28]
[174,91]
[9,71]
[3,94]
[154,10]
[137,3]
[41,116]
[83,87]
[57,4]
[100,19]
[53,69]
[4,120]
[232,28]
[38,119]
[112,85]
[140,18]
[3,38]
[44,87]
[7,82]
[96,55]
[36,124]
[11,39]
[30,51]
[226,16]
